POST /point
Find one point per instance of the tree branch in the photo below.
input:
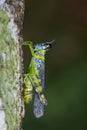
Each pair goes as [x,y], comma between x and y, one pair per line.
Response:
[11,66]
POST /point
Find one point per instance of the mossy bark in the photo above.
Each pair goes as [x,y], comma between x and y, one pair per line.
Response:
[11,67]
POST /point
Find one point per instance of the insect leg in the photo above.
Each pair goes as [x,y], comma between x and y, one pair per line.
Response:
[43,99]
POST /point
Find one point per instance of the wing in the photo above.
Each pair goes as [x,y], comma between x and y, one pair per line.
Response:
[40,73]
[39,100]
[38,107]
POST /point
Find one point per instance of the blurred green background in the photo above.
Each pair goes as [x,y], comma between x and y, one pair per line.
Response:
[66,63]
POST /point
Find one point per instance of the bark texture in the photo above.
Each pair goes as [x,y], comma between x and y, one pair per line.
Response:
[11,66]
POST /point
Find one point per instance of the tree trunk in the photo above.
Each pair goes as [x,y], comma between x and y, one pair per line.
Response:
[11,66]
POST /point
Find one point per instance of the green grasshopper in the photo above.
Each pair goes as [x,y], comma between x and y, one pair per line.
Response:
[34,78]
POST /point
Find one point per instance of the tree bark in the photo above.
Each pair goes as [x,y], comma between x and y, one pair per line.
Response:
[11,66]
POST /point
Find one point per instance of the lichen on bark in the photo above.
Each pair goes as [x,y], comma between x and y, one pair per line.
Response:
[11,67]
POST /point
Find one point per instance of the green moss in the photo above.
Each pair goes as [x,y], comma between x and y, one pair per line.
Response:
[9,87]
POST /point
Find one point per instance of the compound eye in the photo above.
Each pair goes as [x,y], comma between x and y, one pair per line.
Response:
[48,45]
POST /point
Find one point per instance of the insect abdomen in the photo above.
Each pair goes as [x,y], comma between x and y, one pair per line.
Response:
[28,91]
